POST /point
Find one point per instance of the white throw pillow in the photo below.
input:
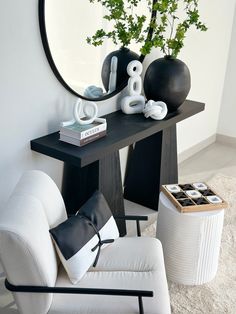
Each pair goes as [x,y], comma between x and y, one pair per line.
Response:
[78,240]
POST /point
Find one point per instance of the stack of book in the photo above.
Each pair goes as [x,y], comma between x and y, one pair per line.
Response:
[81,135]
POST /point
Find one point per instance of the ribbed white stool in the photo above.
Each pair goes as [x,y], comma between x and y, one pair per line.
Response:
[191,242]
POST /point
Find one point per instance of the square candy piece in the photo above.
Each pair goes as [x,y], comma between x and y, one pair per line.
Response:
[193,193]
[200,186]
[179,195]
[207,192]
[214,199]
[186,202]
[201,201]
[173,188]
[186,187]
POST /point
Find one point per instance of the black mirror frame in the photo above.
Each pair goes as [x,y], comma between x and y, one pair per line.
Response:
[42,27]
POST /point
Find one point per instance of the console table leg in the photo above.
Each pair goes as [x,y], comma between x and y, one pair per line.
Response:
[169,158]
[110,184]
[78,185]
[152,162]
[104,175]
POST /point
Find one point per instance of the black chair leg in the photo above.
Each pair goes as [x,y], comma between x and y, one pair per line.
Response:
[140,303]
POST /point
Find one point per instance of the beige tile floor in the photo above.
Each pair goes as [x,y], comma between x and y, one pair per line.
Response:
[216,158]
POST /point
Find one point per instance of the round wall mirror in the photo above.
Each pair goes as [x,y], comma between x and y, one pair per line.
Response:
[65,26]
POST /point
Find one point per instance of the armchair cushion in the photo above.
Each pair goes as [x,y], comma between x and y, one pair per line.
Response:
[79,239]
[138,265]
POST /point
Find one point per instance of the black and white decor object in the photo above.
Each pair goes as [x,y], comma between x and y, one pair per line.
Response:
[134,102]
[85,127]
[193,197]
[93,91]
[80,238]
[157,110]
[124,56]
[167,79]
[82,108]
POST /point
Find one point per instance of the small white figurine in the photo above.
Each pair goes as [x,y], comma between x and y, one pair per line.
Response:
[157,110]
[80,108]
[113,75]
[134,102]
[93,91]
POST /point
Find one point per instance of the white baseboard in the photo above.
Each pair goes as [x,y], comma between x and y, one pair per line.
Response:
[196,148]
[219,138]
[226,140]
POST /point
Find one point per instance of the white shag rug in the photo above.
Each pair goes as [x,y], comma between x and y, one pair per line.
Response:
[219,295]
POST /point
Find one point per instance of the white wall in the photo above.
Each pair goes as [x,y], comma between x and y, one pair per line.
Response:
[227,125]
[33,102]
[206,55]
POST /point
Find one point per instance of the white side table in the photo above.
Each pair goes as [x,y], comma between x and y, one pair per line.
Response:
[191,242]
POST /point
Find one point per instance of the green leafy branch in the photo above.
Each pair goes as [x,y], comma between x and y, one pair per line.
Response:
[126,25]
[169,35]
[168,31]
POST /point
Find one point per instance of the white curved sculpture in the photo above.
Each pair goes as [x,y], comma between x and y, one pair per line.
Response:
[135,86]
[134,68]
[80,108]
[134,102]
[157,110]
[113,74]
[93,91]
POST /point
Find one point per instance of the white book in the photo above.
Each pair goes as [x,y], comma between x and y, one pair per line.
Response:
[84,141]
[80,132]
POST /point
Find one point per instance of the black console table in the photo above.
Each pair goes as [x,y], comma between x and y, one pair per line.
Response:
[152,160]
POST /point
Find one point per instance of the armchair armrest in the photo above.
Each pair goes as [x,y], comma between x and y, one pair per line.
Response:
[68,290]
[136,218]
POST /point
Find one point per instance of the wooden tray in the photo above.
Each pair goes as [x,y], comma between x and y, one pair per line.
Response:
[186,201]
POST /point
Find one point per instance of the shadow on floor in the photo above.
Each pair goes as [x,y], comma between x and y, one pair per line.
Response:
[8,311]
[7,304]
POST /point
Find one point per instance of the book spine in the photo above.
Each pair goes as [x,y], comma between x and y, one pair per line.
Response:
[77,142]
[92,138]
[84,134]
[100,128]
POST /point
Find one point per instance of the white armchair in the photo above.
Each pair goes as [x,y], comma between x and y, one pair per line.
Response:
[129,277]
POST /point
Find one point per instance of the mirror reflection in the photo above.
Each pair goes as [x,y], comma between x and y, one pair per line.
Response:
[68,24]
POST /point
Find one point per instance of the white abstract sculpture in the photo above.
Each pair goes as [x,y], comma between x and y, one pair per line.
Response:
[83,108]
[93,91]
[134,102]
[157,110]
[80,108]
[113,75]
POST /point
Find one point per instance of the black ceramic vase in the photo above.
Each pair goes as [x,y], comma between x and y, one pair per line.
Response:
[124,56]
[167,79]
